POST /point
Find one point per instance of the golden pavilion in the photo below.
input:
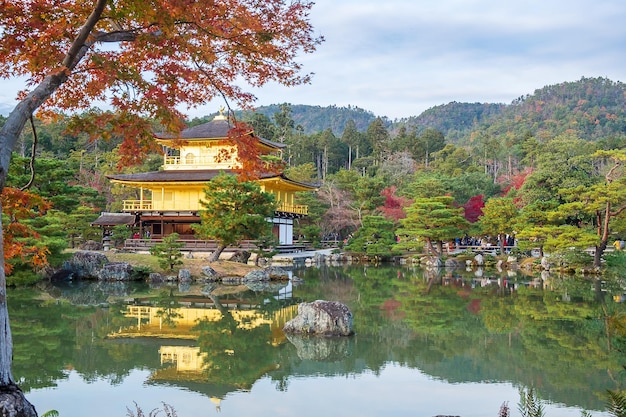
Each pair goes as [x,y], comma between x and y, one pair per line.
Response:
[169,199]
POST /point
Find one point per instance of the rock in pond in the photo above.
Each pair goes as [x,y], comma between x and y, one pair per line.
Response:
[327,318]
[321,349]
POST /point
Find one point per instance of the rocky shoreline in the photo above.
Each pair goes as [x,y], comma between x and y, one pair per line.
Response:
[96,265]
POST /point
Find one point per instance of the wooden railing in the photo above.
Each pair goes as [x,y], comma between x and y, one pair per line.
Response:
[190,244]
[196,160]
[137,205]
[456,249]
[146,205]
[293,208]
[197,245]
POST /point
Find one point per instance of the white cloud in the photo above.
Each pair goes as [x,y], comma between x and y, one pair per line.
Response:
[399,57]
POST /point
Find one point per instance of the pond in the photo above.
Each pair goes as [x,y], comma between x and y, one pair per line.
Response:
[427,343]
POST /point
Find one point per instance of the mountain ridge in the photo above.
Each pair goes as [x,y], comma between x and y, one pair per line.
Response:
[591,107]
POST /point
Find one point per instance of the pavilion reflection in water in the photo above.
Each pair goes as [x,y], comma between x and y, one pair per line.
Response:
[178,323]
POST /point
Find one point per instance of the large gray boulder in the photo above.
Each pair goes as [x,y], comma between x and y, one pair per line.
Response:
[452,263]
[328,318]
[184,275]
[277,273]
[546,263]
[85,264]
[115,271]
[322,349]
[91,245]
[241,256]
[156,278]
[257,275]
[270,286]
[209,274]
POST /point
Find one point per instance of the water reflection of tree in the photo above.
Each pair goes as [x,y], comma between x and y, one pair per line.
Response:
[168,306]
[235,354]
[40,332]
[553,340]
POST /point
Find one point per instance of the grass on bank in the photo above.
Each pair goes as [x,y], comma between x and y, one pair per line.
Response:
[150,262]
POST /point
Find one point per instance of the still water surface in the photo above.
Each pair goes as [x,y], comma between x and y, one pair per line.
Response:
[426,344]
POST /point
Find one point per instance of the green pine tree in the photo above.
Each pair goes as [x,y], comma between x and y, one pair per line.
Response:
[234,211]
[168,252]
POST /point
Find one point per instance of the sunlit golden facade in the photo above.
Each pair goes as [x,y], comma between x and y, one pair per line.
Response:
[168,200]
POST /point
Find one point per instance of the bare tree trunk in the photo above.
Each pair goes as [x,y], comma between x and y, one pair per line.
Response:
[6,347]
[215,256]
[603,232]
[349,157]
[12,400]
[431,247]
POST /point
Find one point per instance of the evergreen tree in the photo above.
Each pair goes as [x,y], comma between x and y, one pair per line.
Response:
[429,142]
[433,221]
[378,138]
[356,142]
[233,211]
[169,251]
[375,238]
[598,205]
[498,219]
[262,126]
[284,123]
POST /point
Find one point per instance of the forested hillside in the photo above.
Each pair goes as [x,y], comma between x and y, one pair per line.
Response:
[307,119]
[314,119]
[593,108]
[454,120]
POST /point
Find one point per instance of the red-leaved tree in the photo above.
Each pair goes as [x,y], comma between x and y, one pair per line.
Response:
[394,205]
[474,208]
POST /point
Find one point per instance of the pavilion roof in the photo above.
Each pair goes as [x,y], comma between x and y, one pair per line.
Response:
[114,219]
[200,175]
[215,129]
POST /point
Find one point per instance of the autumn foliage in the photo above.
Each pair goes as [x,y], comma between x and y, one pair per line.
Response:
[142,60]
[18,206]
[149,60]
[474,208]
[517,181]
[394,205]
[245,148]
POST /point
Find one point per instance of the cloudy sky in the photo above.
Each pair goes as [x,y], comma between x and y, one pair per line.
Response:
[398,58]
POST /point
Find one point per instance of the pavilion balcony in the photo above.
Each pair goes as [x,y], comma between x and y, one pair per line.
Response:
[146,205]
[195,162]
[137,205]
[293,208]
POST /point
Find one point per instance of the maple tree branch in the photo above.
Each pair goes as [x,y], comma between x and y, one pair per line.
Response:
[219,90]
[116,36]
[80,45]
[32,156]
[26,107]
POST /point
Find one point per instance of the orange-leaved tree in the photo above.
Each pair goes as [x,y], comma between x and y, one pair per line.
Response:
[17,206]
[143,60]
